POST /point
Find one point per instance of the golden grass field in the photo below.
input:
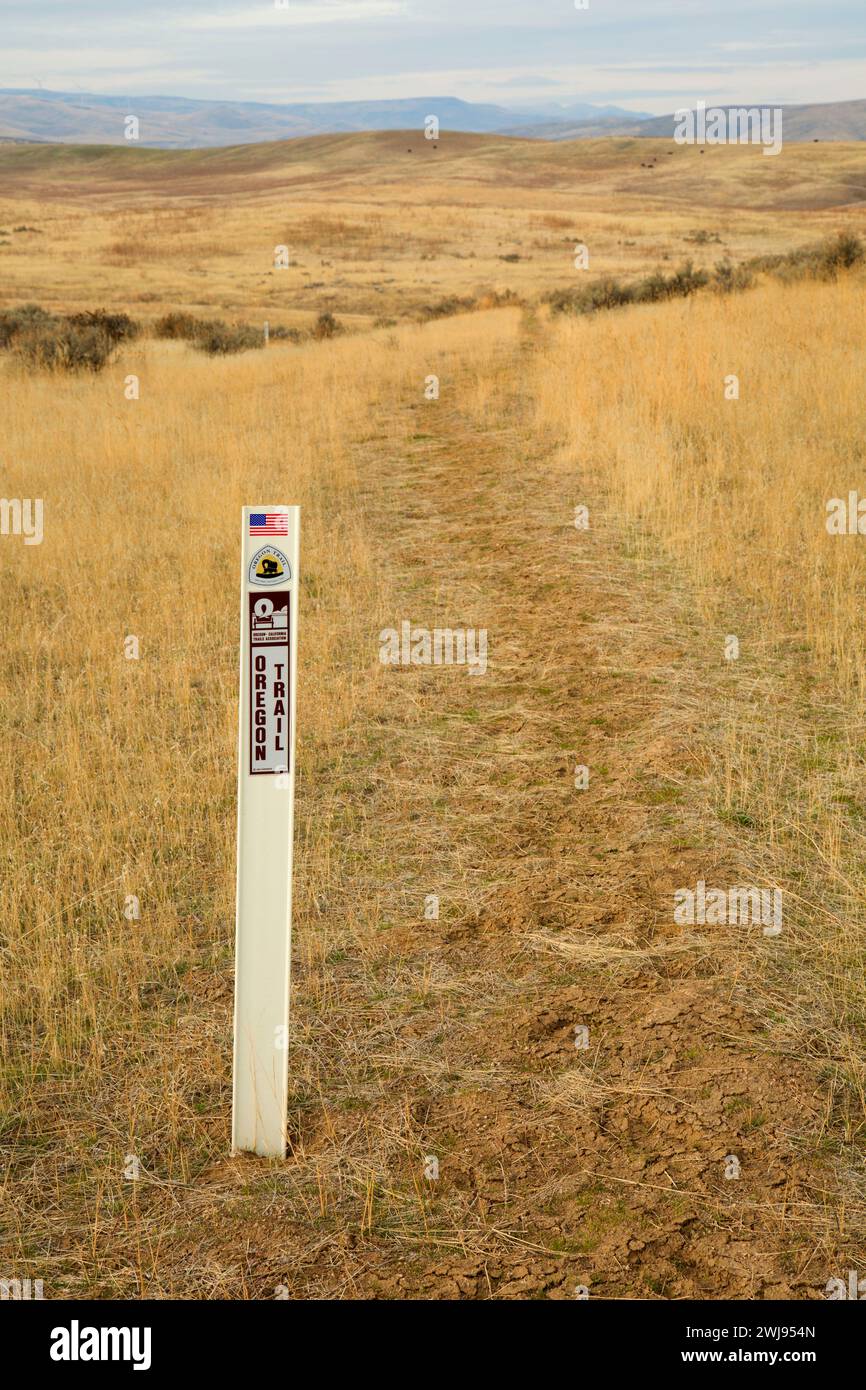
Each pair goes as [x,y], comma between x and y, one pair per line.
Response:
[558,1167]
[375,230]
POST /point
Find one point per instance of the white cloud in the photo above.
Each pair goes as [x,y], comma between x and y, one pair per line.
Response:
[638,86]
[654,56]
[49,63]
[774,45]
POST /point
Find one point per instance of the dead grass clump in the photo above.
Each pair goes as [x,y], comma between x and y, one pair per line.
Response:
[466,304]
[323,229]
[497,299]
[444,308]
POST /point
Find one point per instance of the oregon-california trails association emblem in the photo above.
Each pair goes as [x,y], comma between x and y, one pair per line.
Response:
[269,566]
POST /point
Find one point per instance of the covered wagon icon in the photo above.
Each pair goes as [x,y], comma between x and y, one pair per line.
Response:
[269,568]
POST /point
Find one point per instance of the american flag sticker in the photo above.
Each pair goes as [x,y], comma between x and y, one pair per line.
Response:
[269,523]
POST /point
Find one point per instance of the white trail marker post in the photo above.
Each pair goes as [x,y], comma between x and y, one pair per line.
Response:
[266,800]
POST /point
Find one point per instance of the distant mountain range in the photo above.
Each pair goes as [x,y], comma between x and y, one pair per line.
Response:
[831,120]
[184,123]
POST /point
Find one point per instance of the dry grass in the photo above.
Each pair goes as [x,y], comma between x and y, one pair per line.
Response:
[736,488]
[120,776]
[734,492]
[453,1037]
[374,230]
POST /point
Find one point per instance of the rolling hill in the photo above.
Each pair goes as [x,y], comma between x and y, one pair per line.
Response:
[184,123]
[168,122]
[832,120]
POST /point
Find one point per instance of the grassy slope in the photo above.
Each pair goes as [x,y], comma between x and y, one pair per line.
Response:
[376,231]
[802,175]
[453,1037]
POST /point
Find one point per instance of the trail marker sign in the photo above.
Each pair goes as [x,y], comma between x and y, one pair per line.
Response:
[266,803]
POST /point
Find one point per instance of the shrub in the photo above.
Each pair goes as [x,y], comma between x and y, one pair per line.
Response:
[496,299]
[118,328]
[444,308]
[64,347]
[211,335]
[326,326]
[609,293]
[606,293]
[685,281]
[652,287]
[560,301]
[819,262]
[842,252]
[177,326]
[728,278]
[279,332]
[25,317]
[219,338]
[76,342]
[702,237]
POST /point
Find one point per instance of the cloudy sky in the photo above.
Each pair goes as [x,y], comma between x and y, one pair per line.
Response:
[648,55]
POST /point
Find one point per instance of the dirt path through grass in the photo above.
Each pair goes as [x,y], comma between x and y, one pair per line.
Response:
[559,1166]
[423,1040]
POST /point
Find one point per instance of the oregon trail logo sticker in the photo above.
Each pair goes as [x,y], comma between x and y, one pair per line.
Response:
[269,566]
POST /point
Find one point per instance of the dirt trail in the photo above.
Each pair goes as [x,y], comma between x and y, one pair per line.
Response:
[454,1037]
[560,1166]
